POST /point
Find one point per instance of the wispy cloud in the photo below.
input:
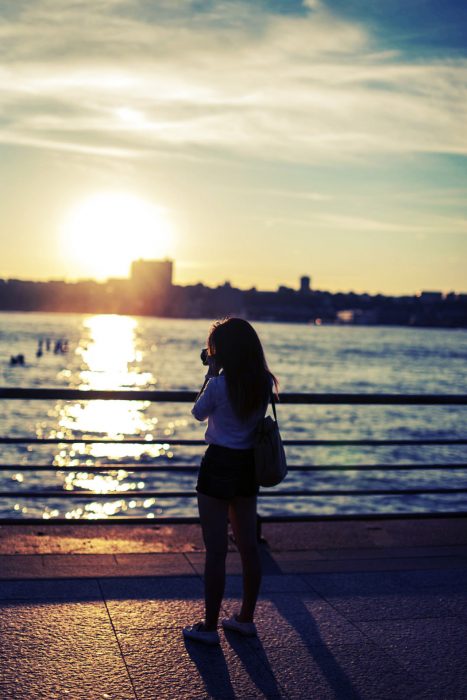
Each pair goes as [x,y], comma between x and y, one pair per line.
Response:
[350,224]
[101,77]
[356,223]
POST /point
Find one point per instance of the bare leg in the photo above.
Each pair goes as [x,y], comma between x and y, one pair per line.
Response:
[213,514]
[242,514]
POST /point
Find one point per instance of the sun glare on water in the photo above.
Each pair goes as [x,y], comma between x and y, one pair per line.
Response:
[110,359]
[106,231]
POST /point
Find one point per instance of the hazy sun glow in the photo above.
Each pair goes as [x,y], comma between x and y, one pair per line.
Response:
[105,232]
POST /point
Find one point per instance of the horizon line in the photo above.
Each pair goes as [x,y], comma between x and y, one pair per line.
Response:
[417,293]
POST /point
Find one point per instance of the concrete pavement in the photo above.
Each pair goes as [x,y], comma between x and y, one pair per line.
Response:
[382,614]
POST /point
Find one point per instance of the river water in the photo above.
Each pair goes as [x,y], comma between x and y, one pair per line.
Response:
[123,352]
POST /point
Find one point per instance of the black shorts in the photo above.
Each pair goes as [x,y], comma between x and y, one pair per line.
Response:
[226,473]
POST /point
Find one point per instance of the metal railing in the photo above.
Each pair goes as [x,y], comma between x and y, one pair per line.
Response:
[189,397]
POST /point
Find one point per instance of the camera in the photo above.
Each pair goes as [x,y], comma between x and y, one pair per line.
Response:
[204,356]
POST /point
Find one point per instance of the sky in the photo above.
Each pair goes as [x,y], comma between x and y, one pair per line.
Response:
[250,141]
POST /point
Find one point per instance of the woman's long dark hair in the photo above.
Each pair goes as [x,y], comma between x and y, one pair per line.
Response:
[239,352]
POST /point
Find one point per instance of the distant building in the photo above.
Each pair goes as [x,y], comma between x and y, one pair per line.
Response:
[430,296]
[151,281]
[305,285]
[153,273]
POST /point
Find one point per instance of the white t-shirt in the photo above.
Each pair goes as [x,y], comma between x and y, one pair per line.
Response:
[224,427]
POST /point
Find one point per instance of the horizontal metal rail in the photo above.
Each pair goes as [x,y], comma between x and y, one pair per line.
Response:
[198,443]
[98,468]
[192,520]
[140,493]
[8,393]
[190,396]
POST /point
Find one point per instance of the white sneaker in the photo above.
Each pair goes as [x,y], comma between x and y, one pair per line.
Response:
[200,634]
[248,629]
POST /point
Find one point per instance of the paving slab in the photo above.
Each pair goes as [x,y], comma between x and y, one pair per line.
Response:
[166,613]
[285,583]
[433,650]
[340,672]
[79,565]
[306,564]
[50,589]
[163,564]
[370,596]
[448,580]
[299,620]
[21,566]
[233,562]
[391,552]
[80,561]
[60,651]
[82,565]
[163,665]
[152,587]
[36,618]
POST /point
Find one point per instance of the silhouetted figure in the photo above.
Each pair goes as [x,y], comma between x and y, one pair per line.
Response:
[227,486]
[58,347]
[17,360]
[39,351]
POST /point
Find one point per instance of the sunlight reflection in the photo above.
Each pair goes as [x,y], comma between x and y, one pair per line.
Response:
[109,353]
[113,419]
[110,361]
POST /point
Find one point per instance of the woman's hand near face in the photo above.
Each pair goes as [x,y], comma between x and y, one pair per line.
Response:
[213,370]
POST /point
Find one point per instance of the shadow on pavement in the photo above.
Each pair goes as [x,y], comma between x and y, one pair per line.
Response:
[250,660]
[305,626]
[213,669]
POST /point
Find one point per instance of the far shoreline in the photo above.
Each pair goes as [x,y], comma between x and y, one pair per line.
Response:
[209,319]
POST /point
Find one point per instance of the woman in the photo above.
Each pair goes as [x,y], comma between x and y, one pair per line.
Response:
[234,398]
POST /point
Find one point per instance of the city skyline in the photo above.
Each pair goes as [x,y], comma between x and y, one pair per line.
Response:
[149,291]
[249,141]
[303,282]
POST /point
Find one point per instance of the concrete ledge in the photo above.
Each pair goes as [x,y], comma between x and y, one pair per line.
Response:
[288,548]
[296,536]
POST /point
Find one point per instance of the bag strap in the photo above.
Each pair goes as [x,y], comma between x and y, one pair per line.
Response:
[273,403]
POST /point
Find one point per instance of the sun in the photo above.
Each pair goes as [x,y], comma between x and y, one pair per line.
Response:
[104,233]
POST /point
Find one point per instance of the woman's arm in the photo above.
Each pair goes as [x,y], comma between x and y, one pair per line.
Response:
[204,404]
